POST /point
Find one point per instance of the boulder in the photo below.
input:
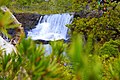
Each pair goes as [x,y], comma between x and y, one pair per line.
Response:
[28,20]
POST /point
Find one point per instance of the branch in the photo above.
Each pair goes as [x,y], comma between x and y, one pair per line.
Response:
[5,9]
[20,32]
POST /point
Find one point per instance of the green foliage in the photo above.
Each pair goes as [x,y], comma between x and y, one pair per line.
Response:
[85,66]
[6,22]
[58,50]
[110,48]
[4,2]
[29,63]
[114,69]
[39,66]
[47,7]
[101,27]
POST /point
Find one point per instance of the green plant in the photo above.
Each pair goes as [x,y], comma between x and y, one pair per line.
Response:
[114,69]
[39,66]
[4,2]
[6,23]
[30,63]
[102,27]
[110,48]
[85,66]
[58,50]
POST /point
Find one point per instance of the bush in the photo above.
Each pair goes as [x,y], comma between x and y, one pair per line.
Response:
[110,48]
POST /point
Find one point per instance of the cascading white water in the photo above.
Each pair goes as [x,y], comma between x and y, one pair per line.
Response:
[6,46]
[51,27]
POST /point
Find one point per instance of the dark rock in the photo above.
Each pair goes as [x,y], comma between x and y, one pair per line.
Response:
[81,14]
[84,14]
[11,32]
[28,20]
[42,41]
[92,14]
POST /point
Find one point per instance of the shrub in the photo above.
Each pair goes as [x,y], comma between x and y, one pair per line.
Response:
[110,48]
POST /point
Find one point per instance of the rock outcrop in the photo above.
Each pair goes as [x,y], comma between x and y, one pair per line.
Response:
[28,20]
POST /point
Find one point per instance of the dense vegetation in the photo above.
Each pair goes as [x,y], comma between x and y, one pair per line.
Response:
[47,6]
[94,57]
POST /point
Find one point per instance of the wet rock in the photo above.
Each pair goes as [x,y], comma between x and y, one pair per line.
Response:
[81,14]
[28,20]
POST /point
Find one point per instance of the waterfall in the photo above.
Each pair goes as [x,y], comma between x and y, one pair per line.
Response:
[51,27]
[6,46]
